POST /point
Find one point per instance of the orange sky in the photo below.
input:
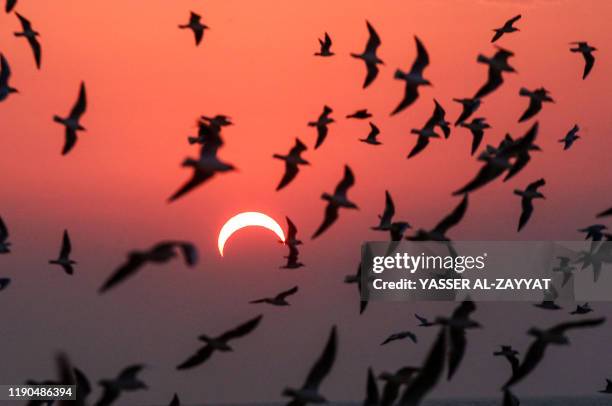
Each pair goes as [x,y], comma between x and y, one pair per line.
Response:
[147,83]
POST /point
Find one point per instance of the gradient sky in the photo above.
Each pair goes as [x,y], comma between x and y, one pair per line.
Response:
[147,83]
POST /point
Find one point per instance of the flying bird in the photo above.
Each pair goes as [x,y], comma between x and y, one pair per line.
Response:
[507,28]
[292,162]
[439,232]
[400,336]
[291,238]
[278,300]
[536,99]
[570,137]
[543,338]
[582,309]
[565,268]
[510,354]
[5,75]
[360,114]
[30,34]
[4,235]
[336,201]
[414,78]
[476,127]
[437,119]
[393,383]
[396,229]
[587,53]
[321,124]
[204,168]
[497,65]
[10,5]
[469,107]
[64,257]
[369,56]
[527,197]
[127,381]
[293,258]
[356,279]
[219,343]
[160,253]
[196,26]
[309,392]
[325,45]
[424,135]
[209,128]
[72,122]
[372,394]
[423,322]
[372,137]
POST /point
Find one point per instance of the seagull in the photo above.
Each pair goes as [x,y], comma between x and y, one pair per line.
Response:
[428,375]
[292,162]
[372,136]
[278,300]
[219,343]
[127,381]
[555,335]
[400,336]
[292,258]
[497,160]
[438,233]
[456,325]
[5,75]
[414,78]
[423,322]
[4,283]
[510,354]
[210,128]
[325,47]
[497,65]
[584,309]
[360,114]
[587,53]
[29,33]
[393,383]
[369,56]
[4,235]
[72,124]
[424,134]
[196,26]
[64,257]
[507,28]
[565,268]
[10,5]
[548,303]
[536,98]
[469,107]
[608,388]
[291,234]
[372,394]
[336,201]
[396,229]
[321,124]
[527,197]
[476,127]
[571,136]
[160,253]
[204,168]
[309,392]
[438,119]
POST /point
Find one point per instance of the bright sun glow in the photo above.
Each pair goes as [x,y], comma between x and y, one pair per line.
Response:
[248,219]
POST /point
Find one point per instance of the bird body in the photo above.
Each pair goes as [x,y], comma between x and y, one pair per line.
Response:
[360,114]
[536,98]
[586,50]
[497,65]
[507,28]
[372,136]
[570,137]
[195,25]
[64,257]
[476,127]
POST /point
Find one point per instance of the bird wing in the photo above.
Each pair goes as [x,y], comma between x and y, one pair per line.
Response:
[83,386]
[509,399]
[422,320]
[372,73]
[514,19]
[422,143]
[457,345]
[429,375]
[70,140]
[298,148]
[437,115]
[389,209]
[494,81]
[604,213]
[81,104]
[534,107]
[291,171]
[563,327]
[5,71]
[3,231]
[374,131]
[485,175]
[347,181]
[477,136]
[527,209]
[321,134]
[535,185]
[453,218]
[390,392]
[521,161]
[287,293]
[372,395]
[133,264]
[196,180]
[130,373]
[241,330]
[331,215]
[534,355]
[328,42]
[291,229]
[10,4]
[36,50]
[66,246]
[25,23]
[324,364]
[198,358]
[109,395]
[422,59]
[189,252]
[373,40]
[411,93]
[589,61]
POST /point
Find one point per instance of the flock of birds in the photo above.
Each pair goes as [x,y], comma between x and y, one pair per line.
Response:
[408,385]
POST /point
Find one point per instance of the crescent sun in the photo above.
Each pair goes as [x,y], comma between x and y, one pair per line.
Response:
[248,219]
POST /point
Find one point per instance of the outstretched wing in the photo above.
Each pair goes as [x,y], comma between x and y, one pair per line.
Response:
[241,330]
[324,364]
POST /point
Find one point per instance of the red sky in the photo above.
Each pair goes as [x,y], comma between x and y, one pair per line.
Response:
[147,83]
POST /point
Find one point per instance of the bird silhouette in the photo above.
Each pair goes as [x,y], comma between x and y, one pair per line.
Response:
[413,78]
[469,107]
[400,336]
[321,124]
[372,137]
[570,137]
[325,47]
[64,257]
[278,300]
[476,127]
[507,28]
[394,382]
[126,381]
[527,197]
[195,25]
[336,201]
[72,122]
[31,35]
[510,354]
[536,99]
[360,114]
[497,65]
[587,53]
[369,56]
[292,162]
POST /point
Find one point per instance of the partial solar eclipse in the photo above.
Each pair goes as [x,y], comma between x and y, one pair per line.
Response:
[248,219]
